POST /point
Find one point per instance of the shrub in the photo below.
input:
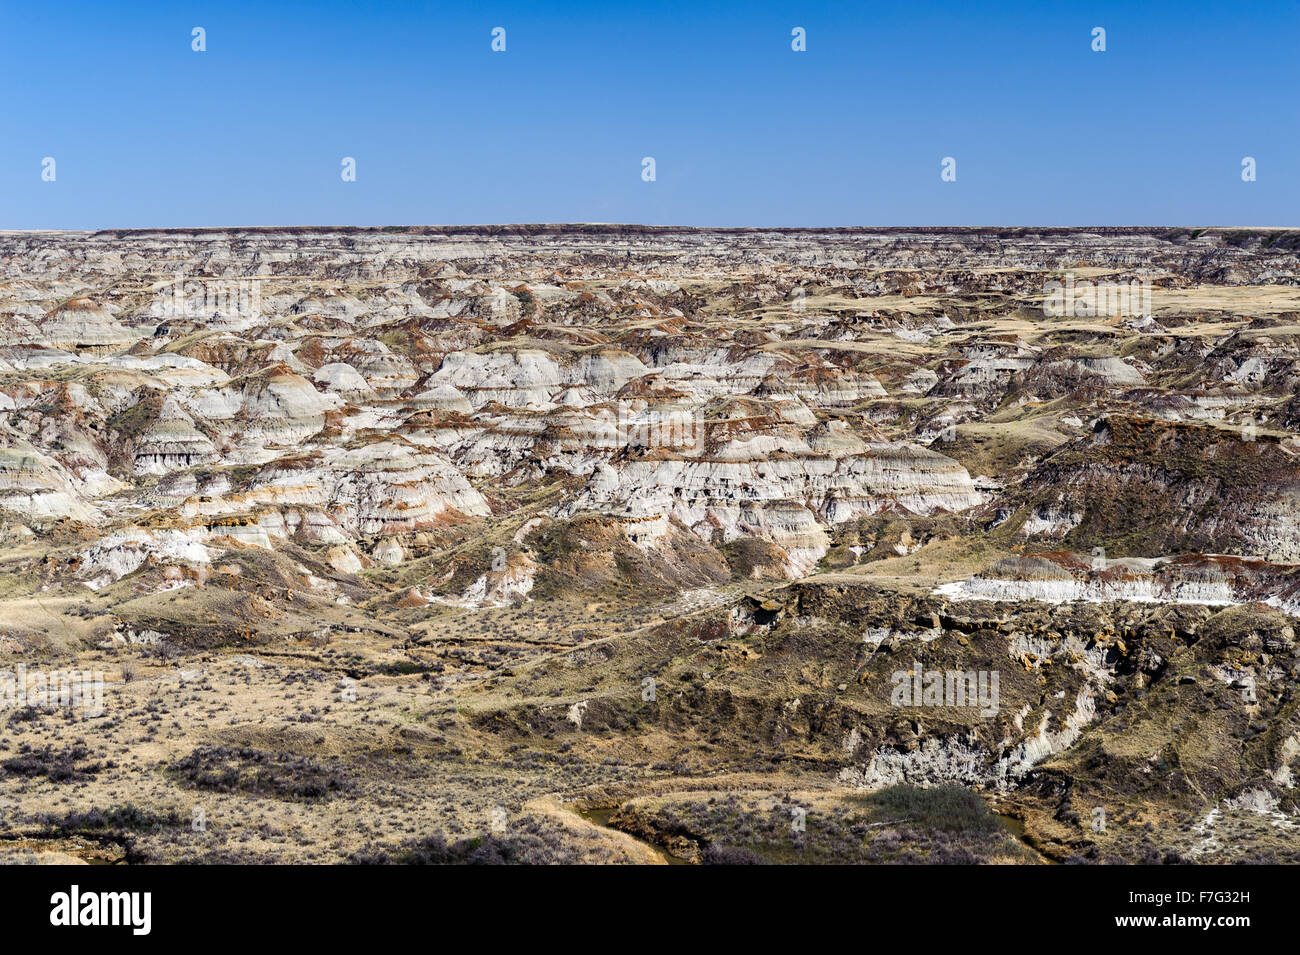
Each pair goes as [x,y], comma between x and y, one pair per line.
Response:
[948,807]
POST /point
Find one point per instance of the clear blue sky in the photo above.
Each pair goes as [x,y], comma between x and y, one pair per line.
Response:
[744,131]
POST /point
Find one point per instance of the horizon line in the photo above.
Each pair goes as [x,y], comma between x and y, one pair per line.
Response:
[614,227]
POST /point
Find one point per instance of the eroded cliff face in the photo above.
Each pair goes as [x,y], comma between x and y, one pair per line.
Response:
[352,389]
[358,388]
[521,470]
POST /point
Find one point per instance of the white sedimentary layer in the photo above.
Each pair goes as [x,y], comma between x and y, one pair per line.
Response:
[37,486]
[958,760]
[1209,579]
[1063,590]
[342,493]
[120,553]
[780,487]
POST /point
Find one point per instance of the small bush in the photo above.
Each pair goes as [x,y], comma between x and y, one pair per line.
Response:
[244,770]
[952,808]
[58,765]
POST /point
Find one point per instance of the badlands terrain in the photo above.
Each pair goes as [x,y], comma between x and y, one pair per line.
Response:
[630,544]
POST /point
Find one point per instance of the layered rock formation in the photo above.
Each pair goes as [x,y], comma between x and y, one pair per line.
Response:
[342,388]
[584,506]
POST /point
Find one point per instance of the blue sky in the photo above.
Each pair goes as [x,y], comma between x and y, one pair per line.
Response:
[744,131]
